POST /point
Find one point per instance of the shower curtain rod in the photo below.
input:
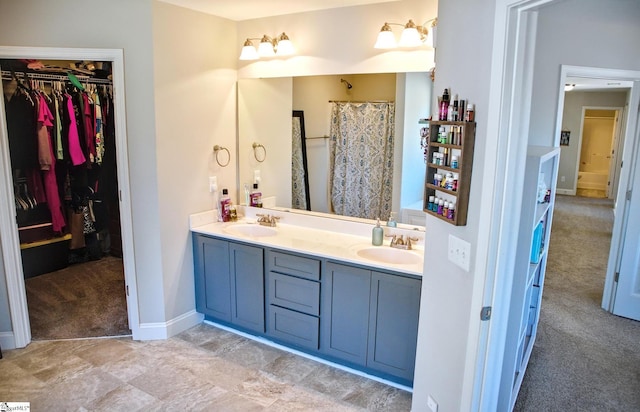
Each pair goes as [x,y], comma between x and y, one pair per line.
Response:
[361,101]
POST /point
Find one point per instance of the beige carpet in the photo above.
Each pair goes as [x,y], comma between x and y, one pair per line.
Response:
[80,301]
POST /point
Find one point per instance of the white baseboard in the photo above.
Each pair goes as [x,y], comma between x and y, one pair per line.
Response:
[571,192]
[165,330]
[7,340]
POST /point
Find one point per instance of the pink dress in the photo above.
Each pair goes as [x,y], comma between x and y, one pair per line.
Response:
[75,151]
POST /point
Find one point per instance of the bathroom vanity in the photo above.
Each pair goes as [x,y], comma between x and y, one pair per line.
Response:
[325,292]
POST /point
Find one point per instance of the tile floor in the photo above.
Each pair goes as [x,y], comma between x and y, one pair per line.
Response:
[203,368]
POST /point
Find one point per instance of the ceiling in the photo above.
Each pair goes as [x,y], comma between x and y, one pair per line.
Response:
[253,9]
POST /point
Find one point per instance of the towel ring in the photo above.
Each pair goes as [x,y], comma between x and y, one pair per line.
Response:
[256,146]
[217,149]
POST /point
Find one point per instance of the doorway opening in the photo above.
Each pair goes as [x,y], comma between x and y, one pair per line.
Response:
[11,241]
[61,133]
[596,168]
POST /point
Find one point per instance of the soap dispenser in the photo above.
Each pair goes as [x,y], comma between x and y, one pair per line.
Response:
[377,234]
[392,220]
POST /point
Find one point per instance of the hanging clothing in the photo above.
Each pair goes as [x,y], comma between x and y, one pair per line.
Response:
[88,123]
[45,120]
[50,183]
[75,149]
[21,128]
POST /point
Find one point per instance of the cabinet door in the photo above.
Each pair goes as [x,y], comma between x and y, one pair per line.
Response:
[345,312]
[247,286]
[393,330]
[213,284]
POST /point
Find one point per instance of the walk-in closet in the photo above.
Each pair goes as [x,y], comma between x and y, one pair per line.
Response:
[61,142]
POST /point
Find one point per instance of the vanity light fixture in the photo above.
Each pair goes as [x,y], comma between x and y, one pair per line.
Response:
[412,35]
[269,47]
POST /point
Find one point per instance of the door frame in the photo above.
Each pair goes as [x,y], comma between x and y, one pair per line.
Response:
[10,243]
[614,143]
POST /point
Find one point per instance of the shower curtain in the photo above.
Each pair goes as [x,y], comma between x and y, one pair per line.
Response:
[298,186]
[361,159]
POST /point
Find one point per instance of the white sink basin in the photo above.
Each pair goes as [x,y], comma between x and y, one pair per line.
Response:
[254,230]
[386,254]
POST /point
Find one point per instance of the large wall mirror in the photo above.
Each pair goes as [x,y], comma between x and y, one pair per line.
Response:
[383,108]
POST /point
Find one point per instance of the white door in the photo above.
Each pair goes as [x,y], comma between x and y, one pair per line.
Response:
[612,185]
[627,295]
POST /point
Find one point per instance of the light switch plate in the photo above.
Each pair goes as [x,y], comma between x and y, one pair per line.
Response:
[213,183]
[459,252]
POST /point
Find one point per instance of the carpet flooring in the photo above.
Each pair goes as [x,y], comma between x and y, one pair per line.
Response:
[83,300]
[584,358]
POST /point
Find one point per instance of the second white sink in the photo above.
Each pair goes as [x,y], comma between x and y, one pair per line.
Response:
[389,255]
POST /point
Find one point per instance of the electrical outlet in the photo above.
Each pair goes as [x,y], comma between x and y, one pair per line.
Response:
[213,184]
[432,404]
[459,252]
[562,178]
[256,176]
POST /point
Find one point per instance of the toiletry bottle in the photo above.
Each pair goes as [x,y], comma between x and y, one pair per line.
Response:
[461,110]
[454,162]
[225,206]
[470,116]
[430,204]
[444,105]
[377,234]
[454,115]
[392,220]
[255,197]
[247,191]
[451,214]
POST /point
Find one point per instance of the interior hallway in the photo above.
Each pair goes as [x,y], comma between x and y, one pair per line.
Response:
[203,368]
[584,358]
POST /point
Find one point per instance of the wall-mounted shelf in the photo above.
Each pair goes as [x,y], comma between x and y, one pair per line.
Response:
[459,143]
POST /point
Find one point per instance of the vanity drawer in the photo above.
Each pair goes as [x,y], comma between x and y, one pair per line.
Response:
[294,293]
[294,265]
[294,327]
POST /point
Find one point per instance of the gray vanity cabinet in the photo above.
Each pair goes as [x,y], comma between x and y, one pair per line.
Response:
[393,324]
[371,319]
[293,299]
[230,282]
[345,312]
[213,283]
[247,286]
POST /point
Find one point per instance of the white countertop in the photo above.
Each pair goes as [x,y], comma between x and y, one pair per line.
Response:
[306,237]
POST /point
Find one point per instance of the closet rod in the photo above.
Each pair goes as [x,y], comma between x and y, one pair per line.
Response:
[6,75]
[361,101]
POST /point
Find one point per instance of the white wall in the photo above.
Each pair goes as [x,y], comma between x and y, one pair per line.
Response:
[562,39]
[118,24]
[574,101]
[338,41]
[195,104]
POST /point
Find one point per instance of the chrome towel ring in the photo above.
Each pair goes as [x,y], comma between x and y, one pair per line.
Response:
[257,146]
[217,149]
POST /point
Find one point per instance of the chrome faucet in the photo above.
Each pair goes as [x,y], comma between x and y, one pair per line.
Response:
[267,220]
[401,242]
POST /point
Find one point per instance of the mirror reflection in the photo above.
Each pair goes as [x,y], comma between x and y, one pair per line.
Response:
[362,141]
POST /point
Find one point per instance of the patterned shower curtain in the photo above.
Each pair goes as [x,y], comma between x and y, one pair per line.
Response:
[298,189]
[361,159]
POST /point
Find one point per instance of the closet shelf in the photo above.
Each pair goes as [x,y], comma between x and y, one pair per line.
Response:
[45,242]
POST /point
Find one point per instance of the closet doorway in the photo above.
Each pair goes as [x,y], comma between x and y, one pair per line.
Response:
[79,270]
